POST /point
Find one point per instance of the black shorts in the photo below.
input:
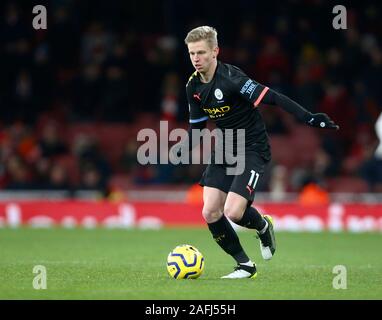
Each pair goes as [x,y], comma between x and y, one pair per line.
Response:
[244,183]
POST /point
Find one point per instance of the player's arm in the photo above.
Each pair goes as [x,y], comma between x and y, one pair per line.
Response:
[193,141]
[198,120]
[189,140]
[257,93]
[320,120]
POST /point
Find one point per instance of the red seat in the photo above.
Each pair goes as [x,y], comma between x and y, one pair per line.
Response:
[70,163]
[347,185]
[283,152]
[120,181]
[111,137]
[306,143]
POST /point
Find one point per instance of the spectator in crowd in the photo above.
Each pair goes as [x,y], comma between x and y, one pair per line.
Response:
[371,168]
[92,163]
[58,178]
[313,194]
[19,177]
[92,180]
[50,143]
[278,184]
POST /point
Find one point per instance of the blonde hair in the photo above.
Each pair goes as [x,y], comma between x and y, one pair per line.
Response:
[206,33]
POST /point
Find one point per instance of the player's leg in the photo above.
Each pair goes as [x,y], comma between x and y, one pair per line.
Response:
[213,204]
[219,226]
[245,267]
[216,184]
[238,209]
[239,204]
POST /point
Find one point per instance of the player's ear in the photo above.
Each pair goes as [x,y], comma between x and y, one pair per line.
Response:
[216,52]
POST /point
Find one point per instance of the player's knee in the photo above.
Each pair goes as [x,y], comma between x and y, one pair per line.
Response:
[233,213]
[211,215]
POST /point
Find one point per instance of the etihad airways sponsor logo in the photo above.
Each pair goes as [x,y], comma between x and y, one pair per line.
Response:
[217,111]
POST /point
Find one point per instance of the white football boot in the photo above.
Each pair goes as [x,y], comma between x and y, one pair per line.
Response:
[241,272]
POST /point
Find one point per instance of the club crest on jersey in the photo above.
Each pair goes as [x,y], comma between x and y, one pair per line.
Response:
[218,94]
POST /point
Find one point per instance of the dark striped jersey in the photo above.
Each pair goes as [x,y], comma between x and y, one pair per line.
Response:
[230,100]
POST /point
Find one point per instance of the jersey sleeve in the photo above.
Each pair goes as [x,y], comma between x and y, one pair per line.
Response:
[196,113]
[248,89]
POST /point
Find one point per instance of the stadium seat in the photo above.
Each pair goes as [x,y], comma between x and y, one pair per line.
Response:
[70,163]
[347,185]
[283,151]
[305,142]
[112,137]
[120,181]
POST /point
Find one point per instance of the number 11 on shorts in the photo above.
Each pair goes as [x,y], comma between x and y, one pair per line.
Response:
[253,175]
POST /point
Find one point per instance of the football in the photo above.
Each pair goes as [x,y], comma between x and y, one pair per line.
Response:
[185,262]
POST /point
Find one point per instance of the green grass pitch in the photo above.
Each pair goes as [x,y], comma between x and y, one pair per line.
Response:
[131,264]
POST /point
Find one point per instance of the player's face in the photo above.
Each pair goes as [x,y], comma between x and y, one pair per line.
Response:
[202,55]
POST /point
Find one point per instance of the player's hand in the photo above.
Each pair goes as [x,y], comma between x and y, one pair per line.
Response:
[322,120]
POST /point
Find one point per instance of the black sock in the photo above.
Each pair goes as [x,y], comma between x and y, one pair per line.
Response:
[227,239]
[252,219]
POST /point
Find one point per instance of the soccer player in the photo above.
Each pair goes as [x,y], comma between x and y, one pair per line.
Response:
[226,95]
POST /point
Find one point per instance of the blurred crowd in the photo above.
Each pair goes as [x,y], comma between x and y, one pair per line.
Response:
[114,61]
